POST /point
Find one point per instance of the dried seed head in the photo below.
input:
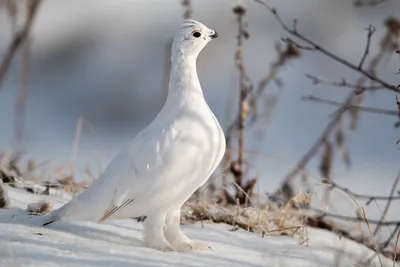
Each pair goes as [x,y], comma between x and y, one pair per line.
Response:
[391,41]
[239,9]
[340,142]
[325,166]
[292,50]
[393,25]
[45,207]
[355,112]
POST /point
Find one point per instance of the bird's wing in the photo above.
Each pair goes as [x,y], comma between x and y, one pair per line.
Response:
[114,209]
[150,163]
[132,169]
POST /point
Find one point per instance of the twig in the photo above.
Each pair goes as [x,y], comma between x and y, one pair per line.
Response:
[322,214]
[357,88]
[77,138]
[361,3]
[284,56]
[398,105]
[395,249]
[18,40]
[244,81]
[20,107]
[361,196]
[371,30]
[372,236]
[299,46]
[335,121]
[392,191]
[391,236]
[331,126]
[343,232]
[342,107]
[188,10]
[324,51]
[295,227]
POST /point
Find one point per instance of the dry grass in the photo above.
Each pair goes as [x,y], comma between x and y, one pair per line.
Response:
[264,221]
[3,196]
[41,208]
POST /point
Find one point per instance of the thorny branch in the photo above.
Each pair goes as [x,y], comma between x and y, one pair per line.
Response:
[18,39]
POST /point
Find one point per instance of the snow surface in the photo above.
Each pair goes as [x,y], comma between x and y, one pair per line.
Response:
[119,243]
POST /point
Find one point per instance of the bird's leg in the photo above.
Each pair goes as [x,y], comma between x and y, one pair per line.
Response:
[176,237]
[153,232]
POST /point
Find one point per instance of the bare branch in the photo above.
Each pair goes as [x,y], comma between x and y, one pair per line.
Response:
[361,196]
[361,3]
[322,214]
[330,127]
[18,40]
[299,46]
[343,108]
[20,105]
[356,87]
[244,80]
[327,53]
[371,30]
[392,191]
[188,10]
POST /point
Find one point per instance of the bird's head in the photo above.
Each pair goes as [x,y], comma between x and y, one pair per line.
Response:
[192,38]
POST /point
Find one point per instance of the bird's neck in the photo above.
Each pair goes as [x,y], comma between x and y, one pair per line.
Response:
[183,79]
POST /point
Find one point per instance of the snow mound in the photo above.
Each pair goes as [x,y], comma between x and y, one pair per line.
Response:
[119,243]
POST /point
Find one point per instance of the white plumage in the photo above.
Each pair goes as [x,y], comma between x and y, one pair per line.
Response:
[166,162]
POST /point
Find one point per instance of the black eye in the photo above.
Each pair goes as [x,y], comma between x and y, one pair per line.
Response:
[196,34]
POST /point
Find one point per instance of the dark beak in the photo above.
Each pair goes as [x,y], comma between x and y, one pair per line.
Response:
[215,35]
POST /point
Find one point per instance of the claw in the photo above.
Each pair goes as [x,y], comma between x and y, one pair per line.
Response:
[183,247]
[186,247]
[200,246]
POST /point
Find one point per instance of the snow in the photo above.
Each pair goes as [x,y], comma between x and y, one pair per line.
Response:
[119,243]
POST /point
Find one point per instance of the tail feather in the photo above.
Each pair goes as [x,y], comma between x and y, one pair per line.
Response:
[47,223]
[56,215]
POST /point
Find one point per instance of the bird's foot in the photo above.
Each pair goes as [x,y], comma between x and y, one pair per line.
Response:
[200,246]
[186,247]
[183,247]
[162,246]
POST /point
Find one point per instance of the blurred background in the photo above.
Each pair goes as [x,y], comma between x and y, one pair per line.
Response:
[105,61]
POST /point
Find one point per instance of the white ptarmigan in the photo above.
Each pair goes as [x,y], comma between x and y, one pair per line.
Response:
[166,162]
